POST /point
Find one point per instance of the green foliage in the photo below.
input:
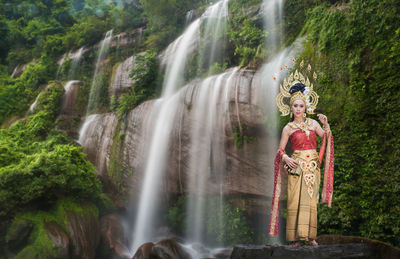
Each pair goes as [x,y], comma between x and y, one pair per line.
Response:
[39,243]
[17,94]
[33,28]
[356,46]
[245,34]
[224,225]
[145,76]
[166,19]
[241,135]
[40,165]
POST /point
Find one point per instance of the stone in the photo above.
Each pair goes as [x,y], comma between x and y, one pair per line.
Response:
[113,243]
[378,249]
[121,79]
[59,239]
[144,251]
[247,170]
[18,234]
[168,249]
[351,250]
[83,230]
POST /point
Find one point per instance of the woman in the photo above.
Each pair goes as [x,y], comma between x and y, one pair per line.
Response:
[303,168]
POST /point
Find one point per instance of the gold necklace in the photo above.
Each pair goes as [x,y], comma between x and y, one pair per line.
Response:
[302,126]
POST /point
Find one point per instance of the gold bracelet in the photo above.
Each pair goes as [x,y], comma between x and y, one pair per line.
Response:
[326,127]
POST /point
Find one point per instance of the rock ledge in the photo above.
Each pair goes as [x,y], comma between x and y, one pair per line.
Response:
[351,250]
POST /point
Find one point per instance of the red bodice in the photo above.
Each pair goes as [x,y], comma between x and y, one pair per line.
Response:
[299,140]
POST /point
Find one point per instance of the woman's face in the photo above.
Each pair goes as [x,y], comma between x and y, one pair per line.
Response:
[298,108]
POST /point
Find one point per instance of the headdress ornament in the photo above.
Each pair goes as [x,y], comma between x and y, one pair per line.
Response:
[309,96]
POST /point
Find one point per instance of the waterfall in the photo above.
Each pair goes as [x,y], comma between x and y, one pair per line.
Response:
[207,160]
[84,129]
[94,94]
[60,64]
[76,59]
[68,103]
[215,30]
[273,13]
[174,60]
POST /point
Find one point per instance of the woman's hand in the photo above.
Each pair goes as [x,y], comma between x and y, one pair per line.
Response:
[291,162]
[323,119]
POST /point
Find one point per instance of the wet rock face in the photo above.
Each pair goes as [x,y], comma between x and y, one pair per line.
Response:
[122,81]
[306,252]
[69,99]
[126,39]
[113,243]
[97,140]
[236,116]
[84,234]
[59,239]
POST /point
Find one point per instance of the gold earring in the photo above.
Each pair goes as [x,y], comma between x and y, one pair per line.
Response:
[304,115]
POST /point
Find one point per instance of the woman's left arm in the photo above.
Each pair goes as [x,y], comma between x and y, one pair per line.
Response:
[324,120]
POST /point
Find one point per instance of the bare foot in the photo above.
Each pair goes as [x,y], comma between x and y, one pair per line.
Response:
[295,244]
[313,242]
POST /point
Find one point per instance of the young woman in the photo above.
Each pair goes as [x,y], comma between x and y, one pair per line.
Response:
[303,169]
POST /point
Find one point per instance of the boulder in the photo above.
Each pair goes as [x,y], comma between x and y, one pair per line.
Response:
[168,249]
[352,250]
[18,234]
[144,251]
[83,230]
[113,243]
[378,249]
[59,239]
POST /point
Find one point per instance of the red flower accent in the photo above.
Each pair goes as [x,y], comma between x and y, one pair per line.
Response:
[286,66]
[293,60]
[309,67]
[315,75]
[308,155]
[281,68]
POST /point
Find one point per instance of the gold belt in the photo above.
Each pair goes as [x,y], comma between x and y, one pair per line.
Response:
[308,160]
[306,155]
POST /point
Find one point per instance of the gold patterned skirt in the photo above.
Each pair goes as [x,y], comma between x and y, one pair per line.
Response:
[303,194]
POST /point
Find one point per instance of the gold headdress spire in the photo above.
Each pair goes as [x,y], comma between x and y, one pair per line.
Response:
[283,100]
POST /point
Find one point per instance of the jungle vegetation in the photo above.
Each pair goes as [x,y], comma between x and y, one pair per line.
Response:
[353,44]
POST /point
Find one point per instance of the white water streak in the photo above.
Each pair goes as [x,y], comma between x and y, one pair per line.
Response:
[94,91]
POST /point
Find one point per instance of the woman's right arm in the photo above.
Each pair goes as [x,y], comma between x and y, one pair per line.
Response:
[284,139]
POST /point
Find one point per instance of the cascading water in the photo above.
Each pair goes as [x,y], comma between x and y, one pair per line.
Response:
[68,103]
[83,131]
[94,94]
[60,64]
[76,59]
[208,157]
[174,59]
[273,12]
[214,33]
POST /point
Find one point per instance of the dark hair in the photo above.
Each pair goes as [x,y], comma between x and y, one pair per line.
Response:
[295,88]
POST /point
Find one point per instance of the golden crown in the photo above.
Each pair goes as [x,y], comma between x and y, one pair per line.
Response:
[284,99]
